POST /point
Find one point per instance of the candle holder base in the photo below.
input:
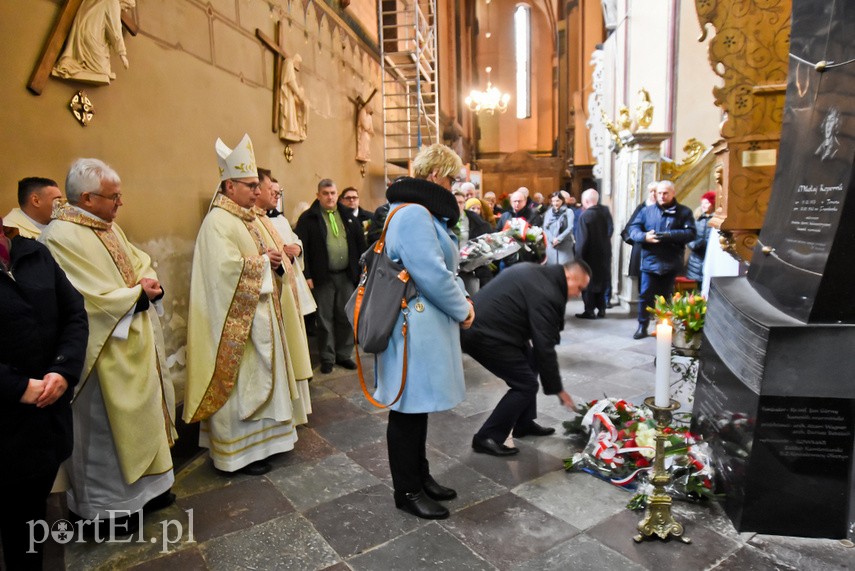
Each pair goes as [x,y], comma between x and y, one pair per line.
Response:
[658,520]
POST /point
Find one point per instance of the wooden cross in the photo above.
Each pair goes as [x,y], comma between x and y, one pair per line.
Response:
[279,56]
[57,38]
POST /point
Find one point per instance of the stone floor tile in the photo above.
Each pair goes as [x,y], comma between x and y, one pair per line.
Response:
[710,514]
[751,559]
[354,432]
[471,486]
[579,554]
[427,548]
[507,530]
[452,434]
[320,391]
[340,566]
[309,484]
[361,520]
[511,471]
[235,506]
[310,446]
[806,554]
[707,546]
[148,544]
[374,457]
[577,498]
[287,542]
[187,560]
[332,410]
[199,476]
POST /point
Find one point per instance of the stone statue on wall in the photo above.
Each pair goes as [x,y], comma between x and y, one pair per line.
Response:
[364,131]
[294,110]
[96,29]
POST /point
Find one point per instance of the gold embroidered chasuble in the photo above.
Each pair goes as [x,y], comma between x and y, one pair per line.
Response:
[17,219]
[138,395]
[295,326]
[237,357]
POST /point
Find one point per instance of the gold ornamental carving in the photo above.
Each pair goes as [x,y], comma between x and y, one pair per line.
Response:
[694,150]
[750,53]
[629,122]
[82,108]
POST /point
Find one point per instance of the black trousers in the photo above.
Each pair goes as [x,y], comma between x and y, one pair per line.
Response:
[406,438]
[516,367]
[29,503]
[651,286]
[594,300]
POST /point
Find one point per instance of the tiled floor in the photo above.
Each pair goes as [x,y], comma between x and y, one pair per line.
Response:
[328,504]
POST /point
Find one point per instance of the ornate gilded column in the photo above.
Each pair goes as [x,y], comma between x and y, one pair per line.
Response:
[750,54]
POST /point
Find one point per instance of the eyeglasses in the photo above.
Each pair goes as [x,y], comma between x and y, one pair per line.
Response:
[115,198]
[353,197]
[277,193]
[253,186]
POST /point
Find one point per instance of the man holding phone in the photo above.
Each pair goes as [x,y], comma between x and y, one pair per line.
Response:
[663,230]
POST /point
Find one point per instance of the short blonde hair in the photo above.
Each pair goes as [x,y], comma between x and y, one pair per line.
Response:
[436,158]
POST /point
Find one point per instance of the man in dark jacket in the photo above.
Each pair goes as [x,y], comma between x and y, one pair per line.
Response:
[594,247]
[635,254]
[332,244]
[42,347]
[663,230]
[520,318]
[520,208]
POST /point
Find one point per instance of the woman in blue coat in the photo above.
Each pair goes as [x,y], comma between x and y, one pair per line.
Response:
[419,237]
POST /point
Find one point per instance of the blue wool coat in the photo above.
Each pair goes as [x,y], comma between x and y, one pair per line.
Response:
[423,245]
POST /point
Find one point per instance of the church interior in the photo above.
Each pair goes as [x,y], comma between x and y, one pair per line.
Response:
[544,94]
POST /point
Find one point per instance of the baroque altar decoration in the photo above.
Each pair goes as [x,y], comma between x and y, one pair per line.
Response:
[621,447]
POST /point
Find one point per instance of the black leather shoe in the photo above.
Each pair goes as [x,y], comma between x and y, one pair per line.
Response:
[326,368]
[490,446]
[160,502]
[640,333]
[347,364]
[437,492]
[258,468]
[418,504]
[586,315]
[601,314]
[533,429]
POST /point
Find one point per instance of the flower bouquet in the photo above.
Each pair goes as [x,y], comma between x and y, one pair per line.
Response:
[531,238]
[621,446]
[485,249]
[686,311]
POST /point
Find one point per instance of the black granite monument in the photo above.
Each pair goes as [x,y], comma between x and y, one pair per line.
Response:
[776,387]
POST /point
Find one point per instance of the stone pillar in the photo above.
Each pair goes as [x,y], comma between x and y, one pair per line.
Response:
[637,165]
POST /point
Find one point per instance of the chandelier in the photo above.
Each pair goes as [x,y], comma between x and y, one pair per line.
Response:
[490,100]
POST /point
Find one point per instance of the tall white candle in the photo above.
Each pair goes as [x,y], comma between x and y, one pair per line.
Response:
[663,364]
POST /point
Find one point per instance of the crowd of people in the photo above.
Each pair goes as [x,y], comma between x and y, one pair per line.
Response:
[83,377]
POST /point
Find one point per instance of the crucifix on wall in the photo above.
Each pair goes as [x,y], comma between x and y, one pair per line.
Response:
[364,126]
[114,11]
[290,108]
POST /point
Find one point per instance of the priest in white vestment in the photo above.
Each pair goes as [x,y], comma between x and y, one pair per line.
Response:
[240,378]
[123,408]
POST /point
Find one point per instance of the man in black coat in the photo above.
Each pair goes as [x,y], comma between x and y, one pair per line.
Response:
[42,348]
[594,247]
[520,318]
[332,244]
[663,230]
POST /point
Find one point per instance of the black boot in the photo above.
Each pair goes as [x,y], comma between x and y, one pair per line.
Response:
[418,504]
[641,332]
[437,492]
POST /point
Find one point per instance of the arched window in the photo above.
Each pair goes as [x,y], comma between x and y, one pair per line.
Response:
[522,51]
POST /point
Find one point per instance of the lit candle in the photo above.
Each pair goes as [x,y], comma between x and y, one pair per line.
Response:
[663,364]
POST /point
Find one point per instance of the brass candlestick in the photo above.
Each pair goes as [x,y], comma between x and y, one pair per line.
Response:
[657,518]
